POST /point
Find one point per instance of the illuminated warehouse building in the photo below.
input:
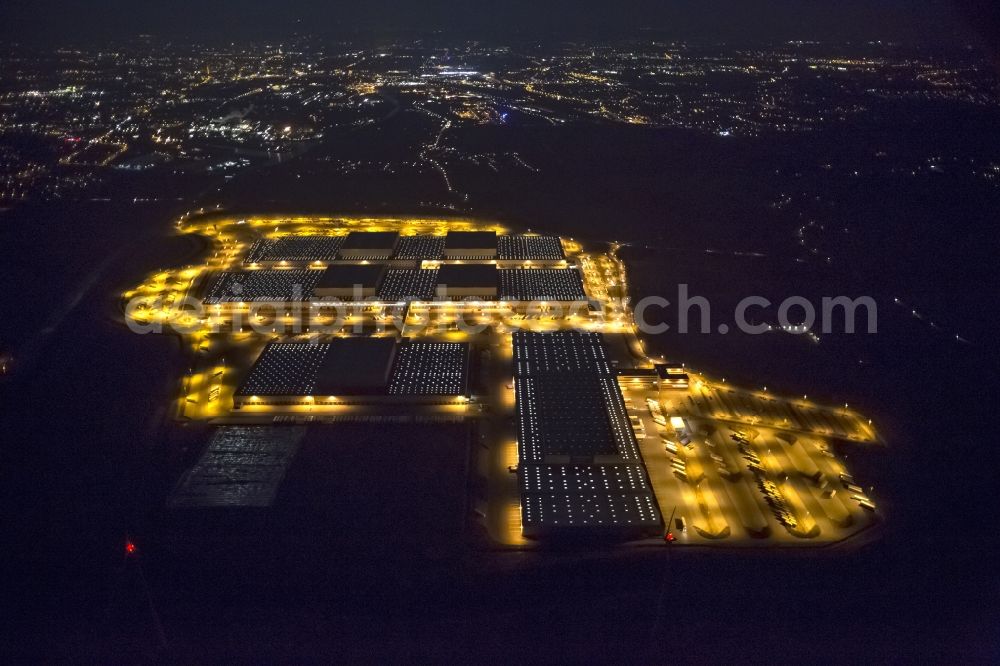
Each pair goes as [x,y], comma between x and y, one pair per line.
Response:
[506,251]
[386,283]
[580,470]
[357,370]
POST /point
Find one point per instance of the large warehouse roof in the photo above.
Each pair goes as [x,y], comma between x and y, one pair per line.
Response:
[285,369]
[525,247]
[561,351]
[431,368]
[301,284]
[602,510]
[568,402]
[255,286]
[355,366]
[295,248]
[358,366]
[360,244]
[370,240]
[541,284]
[468,275]
[342,366]
[572,414]
[570,408]
[346,276]
[583,478]
[404,284]
[420,247]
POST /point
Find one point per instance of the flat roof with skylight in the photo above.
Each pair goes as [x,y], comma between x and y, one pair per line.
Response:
[558,352]
[579,459]
[408,284]
[294,249]
[527,247]
[262,285]
[285,368]
[574,416]
[420,247]
[431,368]
[356,367]
[615,512]
[541,284]
[583,478]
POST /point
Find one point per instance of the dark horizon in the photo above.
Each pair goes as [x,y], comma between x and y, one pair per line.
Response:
[940,22]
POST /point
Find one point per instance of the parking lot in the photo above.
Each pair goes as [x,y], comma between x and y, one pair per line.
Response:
[734,484]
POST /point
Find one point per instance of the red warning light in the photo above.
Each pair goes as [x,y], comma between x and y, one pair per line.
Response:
[130,548]
[669,536]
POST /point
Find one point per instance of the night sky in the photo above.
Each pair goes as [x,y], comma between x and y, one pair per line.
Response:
[929,21]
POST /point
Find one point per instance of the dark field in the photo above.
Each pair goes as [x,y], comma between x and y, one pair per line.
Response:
[368,551]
